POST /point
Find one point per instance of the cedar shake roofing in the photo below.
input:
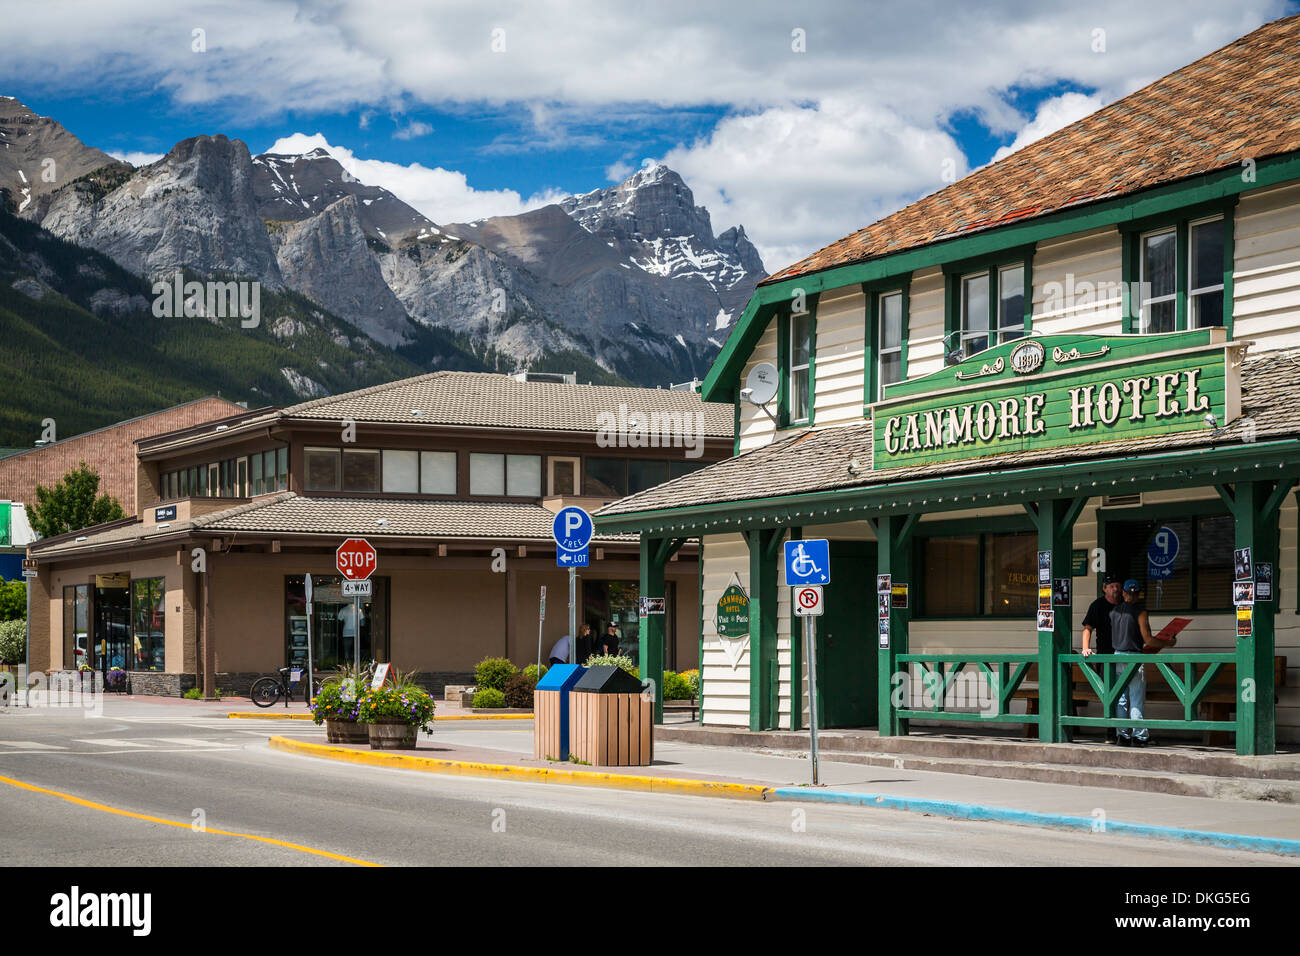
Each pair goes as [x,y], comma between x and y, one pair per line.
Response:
[490,400]
[818,460]
[289,513]
[1239,102]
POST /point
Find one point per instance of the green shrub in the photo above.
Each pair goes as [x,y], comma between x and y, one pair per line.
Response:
[612,660]
[489,697]
[194,693]
[491,673]
[531,673]
[13,641]
[13,600]
[676,687]
[692,679]
[519,691]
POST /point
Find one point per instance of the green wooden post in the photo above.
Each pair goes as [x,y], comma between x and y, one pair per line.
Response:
[1255,507]
[655,553]
[893,557]
[1055,520]
[764,548]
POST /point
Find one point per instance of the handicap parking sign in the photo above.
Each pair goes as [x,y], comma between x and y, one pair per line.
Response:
[808,562]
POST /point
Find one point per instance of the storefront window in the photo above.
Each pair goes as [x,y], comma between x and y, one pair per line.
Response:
[978,575]
[950,571]
[336,623]
[615,602]
[1199,578]
[76,630]
[148,625]
[1010,575]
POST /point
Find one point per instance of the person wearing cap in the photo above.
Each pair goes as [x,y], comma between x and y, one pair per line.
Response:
[1096,626]
[1130,632]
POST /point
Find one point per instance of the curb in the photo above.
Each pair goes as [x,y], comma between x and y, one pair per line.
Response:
[388,758]
[975,811]
[246,716]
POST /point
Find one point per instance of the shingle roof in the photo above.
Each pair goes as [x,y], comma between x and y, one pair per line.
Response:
[818,460]
[289,513]
[1239,102]
[490,400]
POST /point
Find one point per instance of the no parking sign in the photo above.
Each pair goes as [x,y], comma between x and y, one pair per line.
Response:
[808,600]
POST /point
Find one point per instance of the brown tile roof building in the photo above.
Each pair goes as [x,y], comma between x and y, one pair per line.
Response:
[818,460]
[1240,102]
[109,451]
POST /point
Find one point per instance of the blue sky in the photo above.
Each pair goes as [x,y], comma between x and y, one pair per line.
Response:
[801,123]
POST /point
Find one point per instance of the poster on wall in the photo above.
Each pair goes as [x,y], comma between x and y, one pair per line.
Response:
[1245,620]
[882,602]
[898,594]
[884,583]
[1243,593]
[1044,567]
[1046,620]
[1264,581]
[1061,592]
[1241,564]
[1044,598]
[884,632]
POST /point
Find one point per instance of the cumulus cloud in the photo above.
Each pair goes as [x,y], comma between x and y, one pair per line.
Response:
[1053,114]
[136,158]
[413,130]
[799,177]
[443,195]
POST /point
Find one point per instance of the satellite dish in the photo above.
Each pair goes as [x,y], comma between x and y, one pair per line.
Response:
[761,383]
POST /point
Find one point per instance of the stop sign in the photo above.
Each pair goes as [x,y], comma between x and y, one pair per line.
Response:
[356,559]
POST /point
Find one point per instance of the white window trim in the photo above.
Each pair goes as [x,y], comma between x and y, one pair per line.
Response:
[1193,293]
[1004,331]
[1144,322]
[796,369]
[881,350]
[967,333]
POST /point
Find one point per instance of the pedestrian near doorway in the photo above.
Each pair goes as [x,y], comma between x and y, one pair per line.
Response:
[609,642]
[1096,626]
[1130,633]
[560,651]
[585,642]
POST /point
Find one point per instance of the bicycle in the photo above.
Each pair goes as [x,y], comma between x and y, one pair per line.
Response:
[267,690]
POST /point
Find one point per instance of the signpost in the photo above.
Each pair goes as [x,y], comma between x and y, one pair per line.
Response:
[356,560]
[541,618]
[807,568]
[572,530]
[306,587]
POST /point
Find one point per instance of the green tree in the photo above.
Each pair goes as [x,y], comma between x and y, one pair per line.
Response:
[13,600]
[72,504]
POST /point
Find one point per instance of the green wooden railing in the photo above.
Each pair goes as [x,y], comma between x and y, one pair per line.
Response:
[999,676]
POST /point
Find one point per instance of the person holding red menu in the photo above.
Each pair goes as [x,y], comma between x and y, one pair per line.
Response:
[1130,633]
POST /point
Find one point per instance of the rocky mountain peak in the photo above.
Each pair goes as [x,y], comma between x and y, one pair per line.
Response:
[38,156]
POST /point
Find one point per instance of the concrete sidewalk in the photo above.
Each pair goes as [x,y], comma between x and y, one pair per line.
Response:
[1260,825]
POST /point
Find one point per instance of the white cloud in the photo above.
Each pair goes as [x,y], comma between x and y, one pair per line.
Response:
[413,130]
[1053,114]
[443,195]
[136,158]
[799,177]
[618,171]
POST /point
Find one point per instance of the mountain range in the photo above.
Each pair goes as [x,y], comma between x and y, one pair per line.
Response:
[623,284]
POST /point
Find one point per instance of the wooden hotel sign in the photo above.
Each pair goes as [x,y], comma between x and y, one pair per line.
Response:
[1056,390]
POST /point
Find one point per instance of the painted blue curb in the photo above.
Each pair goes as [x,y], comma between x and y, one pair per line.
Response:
[976,811]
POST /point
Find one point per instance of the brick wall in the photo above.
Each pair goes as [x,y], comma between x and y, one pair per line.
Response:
[110,451]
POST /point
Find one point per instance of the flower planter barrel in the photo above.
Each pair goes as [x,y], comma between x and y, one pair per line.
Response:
[346,732]
[392,736]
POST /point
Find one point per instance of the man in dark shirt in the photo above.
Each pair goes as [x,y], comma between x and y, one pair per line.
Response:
[1130,632]
[1096,623]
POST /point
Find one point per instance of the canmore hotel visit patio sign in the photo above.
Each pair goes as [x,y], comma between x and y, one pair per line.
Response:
[1056,390]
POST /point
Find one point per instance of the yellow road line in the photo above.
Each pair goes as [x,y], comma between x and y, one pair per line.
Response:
[387,758]
[269,716]
[173,823]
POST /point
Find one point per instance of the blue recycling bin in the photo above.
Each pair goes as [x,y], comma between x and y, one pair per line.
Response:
[551,711]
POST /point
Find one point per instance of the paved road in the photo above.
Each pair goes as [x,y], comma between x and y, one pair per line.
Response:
[145,766]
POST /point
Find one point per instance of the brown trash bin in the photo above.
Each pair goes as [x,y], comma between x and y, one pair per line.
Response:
[611,720]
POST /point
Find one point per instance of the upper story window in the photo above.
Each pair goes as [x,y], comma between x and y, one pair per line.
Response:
[890,344]
[515,476]
[797,341]
[619,477]
[341,469]
[1179,270]
[988,304]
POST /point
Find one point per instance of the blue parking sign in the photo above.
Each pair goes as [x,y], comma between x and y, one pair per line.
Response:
[1161,553]
[808,562]
[571,559]
[572,529]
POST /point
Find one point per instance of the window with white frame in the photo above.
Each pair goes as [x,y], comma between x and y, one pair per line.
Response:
[1205,272]
[800,359]
[992,307]
[1158,275]
[890,345]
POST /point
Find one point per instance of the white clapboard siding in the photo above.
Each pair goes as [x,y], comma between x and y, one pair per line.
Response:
[725,689]
[1078,284]
[756,429]
[1266,268]
[838,371]
[925,349]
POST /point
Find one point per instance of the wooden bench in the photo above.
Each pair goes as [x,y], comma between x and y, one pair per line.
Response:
[681,707]
[1217,703]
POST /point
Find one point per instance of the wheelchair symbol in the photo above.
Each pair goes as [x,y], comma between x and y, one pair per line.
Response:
[803,563]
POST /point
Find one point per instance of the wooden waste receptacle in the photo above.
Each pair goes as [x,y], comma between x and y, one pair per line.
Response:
[611,719]
[552,716]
